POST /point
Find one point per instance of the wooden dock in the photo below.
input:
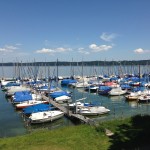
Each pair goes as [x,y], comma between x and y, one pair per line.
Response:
[69,113]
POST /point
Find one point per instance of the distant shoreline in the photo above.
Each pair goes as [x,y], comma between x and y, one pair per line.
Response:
[84,63]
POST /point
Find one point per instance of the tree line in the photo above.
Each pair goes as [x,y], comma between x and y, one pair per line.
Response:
[75,63]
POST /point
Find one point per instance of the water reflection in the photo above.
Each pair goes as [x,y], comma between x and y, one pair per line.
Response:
[133,104]
[49,125]
[12,123]
[117,98]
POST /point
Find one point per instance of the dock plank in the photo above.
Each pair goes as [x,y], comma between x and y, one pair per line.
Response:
[68,112]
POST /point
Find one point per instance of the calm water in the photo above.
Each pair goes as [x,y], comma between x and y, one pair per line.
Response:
[12,122]
[44,71]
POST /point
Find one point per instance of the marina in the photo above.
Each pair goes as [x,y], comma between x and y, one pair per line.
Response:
[74,75]
[118,105]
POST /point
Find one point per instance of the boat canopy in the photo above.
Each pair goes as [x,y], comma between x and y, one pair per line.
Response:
[37,108]
[59,93]
[68,81]
[12,84]
[103,87]
[22,96]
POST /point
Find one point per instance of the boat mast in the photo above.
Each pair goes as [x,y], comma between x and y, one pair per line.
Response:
[57,73]
[139,75]
[49,83]
[2,70]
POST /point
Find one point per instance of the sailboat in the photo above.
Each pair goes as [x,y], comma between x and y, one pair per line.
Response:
[28,103]
[45,116]
[117,91]
[37,108]
[91,111]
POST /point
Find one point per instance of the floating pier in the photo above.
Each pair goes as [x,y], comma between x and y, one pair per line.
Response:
[69,113]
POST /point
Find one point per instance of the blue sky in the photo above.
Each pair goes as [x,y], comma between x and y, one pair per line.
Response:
[47,30]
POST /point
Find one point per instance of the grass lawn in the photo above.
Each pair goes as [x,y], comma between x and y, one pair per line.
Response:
[131,133]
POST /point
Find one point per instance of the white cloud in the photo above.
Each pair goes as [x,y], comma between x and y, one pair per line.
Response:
[82,51]
[52,51]
[141,51]
[2,49]
[81,48]
[96,48]
[45,50]
[108,37]
[61,49]
[8,48]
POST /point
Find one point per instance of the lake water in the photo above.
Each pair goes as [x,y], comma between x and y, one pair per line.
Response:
[12,122]
[44,71]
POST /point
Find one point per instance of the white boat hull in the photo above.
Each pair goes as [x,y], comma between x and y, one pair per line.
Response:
[29,103]
[63,98]
[47,116]
[91,111]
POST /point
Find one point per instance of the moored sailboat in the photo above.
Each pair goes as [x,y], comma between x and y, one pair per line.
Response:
[45,116]
[91,111]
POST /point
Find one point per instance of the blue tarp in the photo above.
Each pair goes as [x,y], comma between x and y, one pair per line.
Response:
[22,96]
[37,108]
[59,93]
[104,88]
[46,88]
[67,81]
[12,84]
[136,89]
[33,82]
[113,79]
[91,104]
[125,86]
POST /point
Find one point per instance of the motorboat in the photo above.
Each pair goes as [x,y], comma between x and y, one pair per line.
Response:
[65,82]
[132,96]
[117,91]
[144,98]
[22,96]
[104,90]
[59,93]
[37,108]
[80,104]
[91,111]
[92,88]
[45,116]
[9,84]
[14,89]
[63,98]
[81,84]
[29,103]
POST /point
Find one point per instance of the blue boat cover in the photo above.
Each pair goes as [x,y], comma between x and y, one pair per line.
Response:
[91,104]
[104,88]
[22,96]
[46,87]
[59,93]
[125,86]
[67,81]
[12,84]
[37,108]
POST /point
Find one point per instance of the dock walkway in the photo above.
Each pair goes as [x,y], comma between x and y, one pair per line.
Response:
[69,113]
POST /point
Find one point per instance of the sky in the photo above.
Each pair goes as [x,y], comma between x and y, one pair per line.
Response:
[74,30]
